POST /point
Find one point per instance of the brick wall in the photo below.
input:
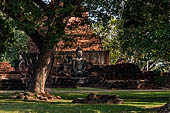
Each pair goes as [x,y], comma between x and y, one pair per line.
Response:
[6,67]
[8,72]
[95,57]
[81,34]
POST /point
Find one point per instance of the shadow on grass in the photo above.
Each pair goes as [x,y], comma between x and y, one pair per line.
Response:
[8,106]
[157,97]
[134,102]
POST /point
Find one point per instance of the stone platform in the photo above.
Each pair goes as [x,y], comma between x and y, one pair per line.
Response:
[10,79]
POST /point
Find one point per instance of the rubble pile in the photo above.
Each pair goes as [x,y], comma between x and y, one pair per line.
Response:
[10,79]
[35,96]
[99,99]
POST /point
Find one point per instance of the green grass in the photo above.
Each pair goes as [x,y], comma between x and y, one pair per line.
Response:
[134,102]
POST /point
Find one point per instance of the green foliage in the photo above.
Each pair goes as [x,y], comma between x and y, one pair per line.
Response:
[102,10]
[18,47]
[141,33]
[46,22]
[13,42]
[146,30]
[110,38]
[6,32]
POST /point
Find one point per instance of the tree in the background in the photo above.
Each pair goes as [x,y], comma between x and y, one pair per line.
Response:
[141,33]
[109,34]
[13,42]
[44,23]
[146,31]
[6,33]
[17,48]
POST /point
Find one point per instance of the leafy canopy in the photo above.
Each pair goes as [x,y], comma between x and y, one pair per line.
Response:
[48,21]
[6,32]
[146,28]
[141,33]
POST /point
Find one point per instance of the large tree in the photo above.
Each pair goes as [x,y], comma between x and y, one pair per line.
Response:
[44,22]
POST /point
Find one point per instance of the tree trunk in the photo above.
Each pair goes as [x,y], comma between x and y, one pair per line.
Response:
[165,108]
[42,70]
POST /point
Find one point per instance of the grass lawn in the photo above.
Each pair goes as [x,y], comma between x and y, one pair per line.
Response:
[134,102]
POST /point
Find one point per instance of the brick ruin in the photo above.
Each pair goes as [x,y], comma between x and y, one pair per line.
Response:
[80,34]
[119,76]
[99,99]
[10,79]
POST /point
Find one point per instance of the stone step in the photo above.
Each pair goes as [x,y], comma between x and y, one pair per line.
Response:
[11,81]
[9,76]
[13,88]
[12,84]
[10,72]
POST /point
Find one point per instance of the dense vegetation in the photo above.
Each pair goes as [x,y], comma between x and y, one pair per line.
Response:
[140,34]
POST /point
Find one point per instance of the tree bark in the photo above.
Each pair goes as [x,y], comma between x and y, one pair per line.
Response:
[165,108]
[42,70]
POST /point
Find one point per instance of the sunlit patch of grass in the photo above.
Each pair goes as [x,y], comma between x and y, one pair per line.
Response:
[71,96]
[145,104]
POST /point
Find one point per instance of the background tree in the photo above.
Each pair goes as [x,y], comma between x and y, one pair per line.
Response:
[146,31]
[13,42]
[17,48]
[142,33]
[6,33]
[109,34]
[45,23]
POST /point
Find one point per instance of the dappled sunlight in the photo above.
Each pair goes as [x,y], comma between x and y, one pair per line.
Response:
[97,111]
[161,93]
[63,101]
[17,111]
[134,102]
[145,104]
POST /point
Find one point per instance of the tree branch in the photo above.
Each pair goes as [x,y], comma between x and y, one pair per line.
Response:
[35,38]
